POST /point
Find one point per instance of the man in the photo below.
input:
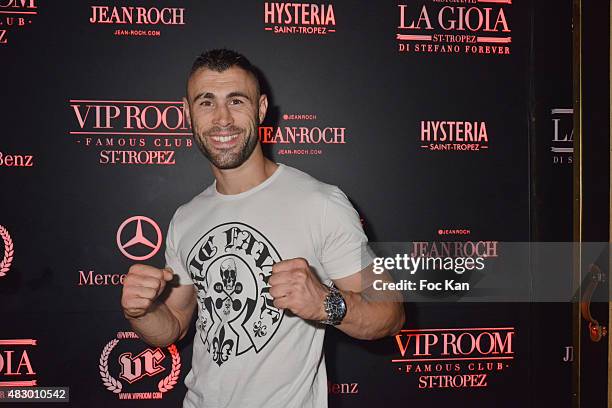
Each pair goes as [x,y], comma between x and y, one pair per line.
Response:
[256,251]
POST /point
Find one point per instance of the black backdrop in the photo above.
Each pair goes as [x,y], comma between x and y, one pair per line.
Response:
[63,212]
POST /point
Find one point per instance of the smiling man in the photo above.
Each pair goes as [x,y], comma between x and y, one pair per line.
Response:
[268,255]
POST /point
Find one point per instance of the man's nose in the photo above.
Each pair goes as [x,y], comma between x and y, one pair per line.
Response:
[223,116]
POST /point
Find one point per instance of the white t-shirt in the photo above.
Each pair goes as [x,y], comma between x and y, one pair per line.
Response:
[246,352]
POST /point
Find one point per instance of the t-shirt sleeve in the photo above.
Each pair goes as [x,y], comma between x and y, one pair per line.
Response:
[172,258]
[344,251]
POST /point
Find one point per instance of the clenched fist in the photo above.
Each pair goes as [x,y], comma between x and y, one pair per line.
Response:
[142,285]
[294,286]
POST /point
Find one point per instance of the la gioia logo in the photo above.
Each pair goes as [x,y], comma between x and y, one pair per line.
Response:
[299,18]
[131,132]
[454,135]
[15,14]
[454,358]
[475,27]
[298,135]
[230,266]
[562,146]
[137,21]
[124,364]
[16,368]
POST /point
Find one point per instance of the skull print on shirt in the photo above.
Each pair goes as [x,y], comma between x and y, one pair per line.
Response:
[230,266]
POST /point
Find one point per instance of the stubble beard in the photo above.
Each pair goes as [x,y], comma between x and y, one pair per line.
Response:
[231,158]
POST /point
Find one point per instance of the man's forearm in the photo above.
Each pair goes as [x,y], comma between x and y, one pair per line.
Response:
[159,327]
[370,319]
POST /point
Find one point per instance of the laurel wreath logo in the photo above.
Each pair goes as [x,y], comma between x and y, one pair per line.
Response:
[112,384]
[8,251]
[169,382]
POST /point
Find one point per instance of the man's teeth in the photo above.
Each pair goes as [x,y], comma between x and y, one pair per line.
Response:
[224,139]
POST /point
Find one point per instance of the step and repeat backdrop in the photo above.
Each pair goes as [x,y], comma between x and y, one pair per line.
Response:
[445,122]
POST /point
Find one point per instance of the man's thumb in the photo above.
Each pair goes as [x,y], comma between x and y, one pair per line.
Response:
[168,274]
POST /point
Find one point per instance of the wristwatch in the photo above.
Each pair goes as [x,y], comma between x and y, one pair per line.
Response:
[335,306]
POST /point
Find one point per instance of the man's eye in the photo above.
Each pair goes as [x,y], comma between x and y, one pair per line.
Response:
[236,102]
[206,103]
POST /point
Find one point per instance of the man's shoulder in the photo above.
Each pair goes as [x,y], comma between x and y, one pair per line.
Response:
[194,205]
[307,184]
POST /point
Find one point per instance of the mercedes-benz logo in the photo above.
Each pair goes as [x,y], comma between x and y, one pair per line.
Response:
[139,238]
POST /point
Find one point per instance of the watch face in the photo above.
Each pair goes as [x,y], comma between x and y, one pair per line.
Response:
[337,307]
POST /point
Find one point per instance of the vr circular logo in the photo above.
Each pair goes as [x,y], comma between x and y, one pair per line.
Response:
[149,368]
[132,238]
[230,266]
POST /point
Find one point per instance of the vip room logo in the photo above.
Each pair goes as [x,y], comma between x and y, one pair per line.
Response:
[132,371]
[476,27]
[299,18]
[456,358]
[136,20]
[16,368]
[298,135]
[139,238]
[8,251]
[130,132]
[562,145]
[15,15]
[230,266]
[451,135]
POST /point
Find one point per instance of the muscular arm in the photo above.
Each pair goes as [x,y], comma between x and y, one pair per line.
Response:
[370,314]
[167,321]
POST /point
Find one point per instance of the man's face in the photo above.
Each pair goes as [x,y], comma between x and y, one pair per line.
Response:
[225,109]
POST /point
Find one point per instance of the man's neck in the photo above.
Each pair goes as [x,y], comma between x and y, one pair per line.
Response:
[254,171]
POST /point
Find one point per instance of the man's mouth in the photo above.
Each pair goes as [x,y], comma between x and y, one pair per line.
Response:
[223,139]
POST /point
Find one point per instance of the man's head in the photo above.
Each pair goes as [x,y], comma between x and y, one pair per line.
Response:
[225,106]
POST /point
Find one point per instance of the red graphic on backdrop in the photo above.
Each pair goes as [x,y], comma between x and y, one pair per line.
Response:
[9,251]
[137,369]
[145,363]
[137,16]
[16,160]
[299,18]
[15,366]
[453,135]
[131,132]
[454,357]
[139,238]
[15,14]
[301,140]
[435,27]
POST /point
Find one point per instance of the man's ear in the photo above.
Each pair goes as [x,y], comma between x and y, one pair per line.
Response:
[263,107]
[186,110]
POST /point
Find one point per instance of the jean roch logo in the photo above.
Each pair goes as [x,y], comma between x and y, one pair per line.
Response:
[299,136]
[137,21]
